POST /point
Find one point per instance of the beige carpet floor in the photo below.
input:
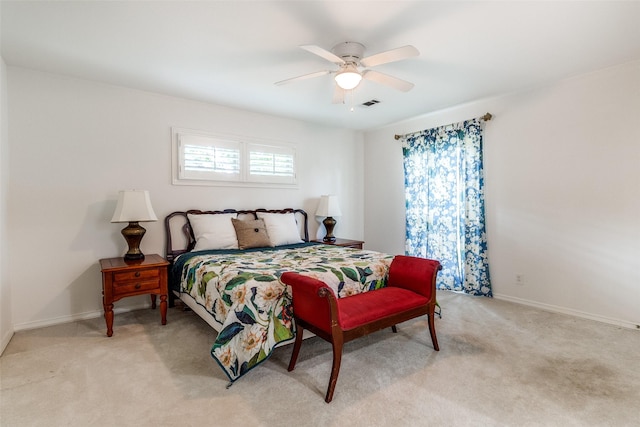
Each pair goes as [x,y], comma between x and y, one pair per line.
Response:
[500,364]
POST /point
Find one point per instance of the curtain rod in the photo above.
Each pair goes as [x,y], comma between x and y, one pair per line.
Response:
[486,118]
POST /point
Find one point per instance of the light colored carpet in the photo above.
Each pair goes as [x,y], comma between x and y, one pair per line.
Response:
[500,364]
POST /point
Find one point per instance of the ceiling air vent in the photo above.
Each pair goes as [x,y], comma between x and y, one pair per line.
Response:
[370,103]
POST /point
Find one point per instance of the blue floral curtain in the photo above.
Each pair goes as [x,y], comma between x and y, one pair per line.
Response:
[444,190]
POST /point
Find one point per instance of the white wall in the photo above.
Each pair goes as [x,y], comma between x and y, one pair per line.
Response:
[6,325]
[75,144]
[562,166]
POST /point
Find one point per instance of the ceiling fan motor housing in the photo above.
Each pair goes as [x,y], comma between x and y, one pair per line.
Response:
[349,51]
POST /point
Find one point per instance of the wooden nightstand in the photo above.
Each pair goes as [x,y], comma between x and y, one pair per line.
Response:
[343,242]
[122,278]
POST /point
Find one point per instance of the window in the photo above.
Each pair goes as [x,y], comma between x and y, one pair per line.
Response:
[444,199]
[268,163]
[204,159]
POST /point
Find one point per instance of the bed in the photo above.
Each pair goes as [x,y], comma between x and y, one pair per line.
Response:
[226,265]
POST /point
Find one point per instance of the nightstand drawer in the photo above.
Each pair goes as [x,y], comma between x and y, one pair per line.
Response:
[135,286]
[138,275]
[345,243]
[354,246]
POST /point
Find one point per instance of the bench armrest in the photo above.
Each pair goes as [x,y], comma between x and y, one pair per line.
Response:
[309,296]
[415,274]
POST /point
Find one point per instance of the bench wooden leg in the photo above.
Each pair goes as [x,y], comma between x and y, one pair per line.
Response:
[336,343]
[432,327]
[296,348]
[394,329]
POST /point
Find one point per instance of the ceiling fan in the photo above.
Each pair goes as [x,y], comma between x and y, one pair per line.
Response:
[354,67]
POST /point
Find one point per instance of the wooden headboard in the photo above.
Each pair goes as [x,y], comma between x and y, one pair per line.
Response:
[180,237]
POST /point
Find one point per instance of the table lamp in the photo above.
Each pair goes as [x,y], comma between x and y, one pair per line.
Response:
[328,207]
[133,206]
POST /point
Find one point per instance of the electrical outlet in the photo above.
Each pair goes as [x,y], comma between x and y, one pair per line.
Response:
[519,279]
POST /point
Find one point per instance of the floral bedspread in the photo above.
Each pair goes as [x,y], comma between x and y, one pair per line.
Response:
[242,291]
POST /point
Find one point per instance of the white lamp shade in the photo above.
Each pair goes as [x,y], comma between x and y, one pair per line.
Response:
[348,77]
[134,206]
[328,206]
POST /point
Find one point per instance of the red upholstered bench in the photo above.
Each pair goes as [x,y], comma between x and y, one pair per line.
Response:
[410,292]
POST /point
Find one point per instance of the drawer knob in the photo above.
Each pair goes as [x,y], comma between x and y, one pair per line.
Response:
[137,274]
[137,286]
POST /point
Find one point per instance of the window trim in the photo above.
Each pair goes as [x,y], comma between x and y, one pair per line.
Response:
[244,178]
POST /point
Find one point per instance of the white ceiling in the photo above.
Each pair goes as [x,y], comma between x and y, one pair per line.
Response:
[232,52]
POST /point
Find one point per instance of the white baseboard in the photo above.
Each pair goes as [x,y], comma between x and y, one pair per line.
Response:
[100,313]
[570,312]
[5,341]
[72,318]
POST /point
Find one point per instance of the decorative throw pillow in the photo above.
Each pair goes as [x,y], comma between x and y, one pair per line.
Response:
[251,233]
[213,231]
[281,227]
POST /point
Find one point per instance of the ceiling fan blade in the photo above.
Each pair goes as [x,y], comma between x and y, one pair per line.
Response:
[390,56]
[385,79]
[323,53]
[304,77]
[338,95]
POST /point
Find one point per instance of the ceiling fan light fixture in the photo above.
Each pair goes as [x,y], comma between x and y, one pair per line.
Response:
[348,77]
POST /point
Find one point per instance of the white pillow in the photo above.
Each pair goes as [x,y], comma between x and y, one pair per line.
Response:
[213,231]
[281,228]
